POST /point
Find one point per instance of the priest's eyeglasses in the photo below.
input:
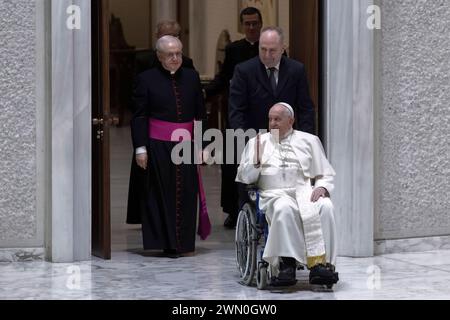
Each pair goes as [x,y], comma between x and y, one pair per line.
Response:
[171,55]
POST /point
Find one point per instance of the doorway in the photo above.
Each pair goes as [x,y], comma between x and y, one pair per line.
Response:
[112,54]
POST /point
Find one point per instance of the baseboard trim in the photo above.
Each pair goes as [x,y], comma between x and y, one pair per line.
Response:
[412,245]
[22,254]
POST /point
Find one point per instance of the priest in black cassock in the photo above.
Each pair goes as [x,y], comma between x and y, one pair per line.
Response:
[168,97]
[145,60]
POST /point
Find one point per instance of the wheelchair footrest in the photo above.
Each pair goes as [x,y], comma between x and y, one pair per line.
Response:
[275,282]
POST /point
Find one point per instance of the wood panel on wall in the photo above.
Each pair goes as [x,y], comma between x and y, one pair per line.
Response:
[135,16]
[305,43]
[183,20]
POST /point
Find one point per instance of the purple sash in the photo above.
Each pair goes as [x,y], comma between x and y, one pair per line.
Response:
[162,130]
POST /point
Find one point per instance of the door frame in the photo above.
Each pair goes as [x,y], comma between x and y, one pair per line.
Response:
[305,35]
[66,52]
[301,44]
[101,202]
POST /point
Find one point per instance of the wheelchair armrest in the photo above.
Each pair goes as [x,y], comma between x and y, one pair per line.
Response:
[251,187]
[252,191]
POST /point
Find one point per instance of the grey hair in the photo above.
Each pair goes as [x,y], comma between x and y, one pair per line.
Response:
[162,43]
[278,30]
[167,24]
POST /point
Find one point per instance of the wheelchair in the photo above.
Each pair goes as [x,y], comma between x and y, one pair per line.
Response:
[251,235]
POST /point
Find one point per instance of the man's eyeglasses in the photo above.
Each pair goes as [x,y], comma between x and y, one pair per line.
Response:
[173,55]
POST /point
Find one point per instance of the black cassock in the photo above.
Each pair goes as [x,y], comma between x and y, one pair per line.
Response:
[164,197]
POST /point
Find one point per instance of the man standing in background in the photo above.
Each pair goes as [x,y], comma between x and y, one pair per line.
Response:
[259,83]
[235,53]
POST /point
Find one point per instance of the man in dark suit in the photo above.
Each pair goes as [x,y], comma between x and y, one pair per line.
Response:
[238,51]
[263,81]
[147,59]
[235,53]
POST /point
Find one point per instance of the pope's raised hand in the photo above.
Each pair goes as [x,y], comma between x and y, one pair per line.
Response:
[259,151]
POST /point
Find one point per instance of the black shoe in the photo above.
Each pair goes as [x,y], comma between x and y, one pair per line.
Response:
[171,253]
[230,222]
[287,269]
[323,275]
[286,276]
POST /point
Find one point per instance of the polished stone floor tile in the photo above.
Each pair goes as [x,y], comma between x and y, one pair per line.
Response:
[211,273]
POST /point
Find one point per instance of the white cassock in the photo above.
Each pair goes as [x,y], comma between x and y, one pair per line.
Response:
[298,228]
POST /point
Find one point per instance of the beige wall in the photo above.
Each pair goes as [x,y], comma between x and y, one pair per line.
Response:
[283,18]
[136,17]
[209,18]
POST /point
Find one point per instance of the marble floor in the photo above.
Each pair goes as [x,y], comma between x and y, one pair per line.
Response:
[211,274]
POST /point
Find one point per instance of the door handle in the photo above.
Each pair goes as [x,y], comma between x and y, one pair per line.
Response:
[113,120]
[110,121]
[97,122]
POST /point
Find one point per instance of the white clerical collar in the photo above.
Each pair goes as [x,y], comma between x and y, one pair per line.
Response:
[252,43]
[276,67]
[288,134]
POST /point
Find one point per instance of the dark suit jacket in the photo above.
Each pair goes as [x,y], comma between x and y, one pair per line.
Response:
[251,95]
[235,53]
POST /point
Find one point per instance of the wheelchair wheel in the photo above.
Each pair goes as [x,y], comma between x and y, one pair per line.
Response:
[261,277]
[246,244]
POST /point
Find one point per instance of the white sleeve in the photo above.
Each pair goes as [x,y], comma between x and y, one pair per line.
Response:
[321,167]
[247,172]
[141,150]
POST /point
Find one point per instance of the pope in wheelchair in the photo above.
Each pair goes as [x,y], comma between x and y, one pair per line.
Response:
[300,228]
